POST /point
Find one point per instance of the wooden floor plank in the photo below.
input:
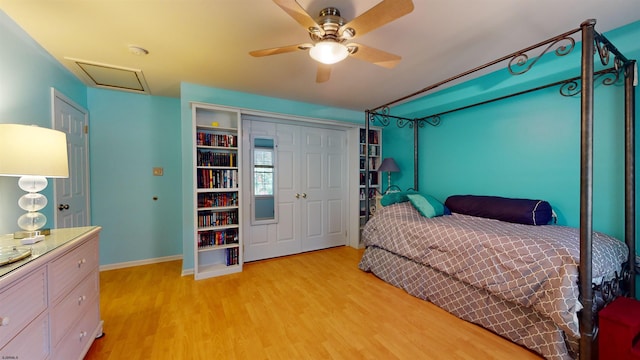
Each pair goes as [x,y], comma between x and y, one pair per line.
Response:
[315,305]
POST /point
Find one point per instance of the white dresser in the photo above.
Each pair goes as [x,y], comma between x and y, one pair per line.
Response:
[50,301]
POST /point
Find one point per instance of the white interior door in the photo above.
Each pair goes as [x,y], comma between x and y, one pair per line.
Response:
[262,241]
[72,194]
[288,202]
[323,187]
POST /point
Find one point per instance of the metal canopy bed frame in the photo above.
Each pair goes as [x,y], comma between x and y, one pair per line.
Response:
[616,66]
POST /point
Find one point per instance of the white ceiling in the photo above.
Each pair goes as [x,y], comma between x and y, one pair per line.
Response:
[207,42]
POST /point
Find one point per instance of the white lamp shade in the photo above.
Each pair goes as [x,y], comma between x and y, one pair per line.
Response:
[328,52]
[33,150]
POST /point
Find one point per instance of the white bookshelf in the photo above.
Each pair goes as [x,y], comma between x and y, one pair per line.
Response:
[217,191]
[371,154]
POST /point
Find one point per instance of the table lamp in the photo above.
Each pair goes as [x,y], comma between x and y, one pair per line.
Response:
[389,165]
[33,153]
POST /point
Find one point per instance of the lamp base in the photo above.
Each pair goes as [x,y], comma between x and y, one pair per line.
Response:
[27,234]
[32,240]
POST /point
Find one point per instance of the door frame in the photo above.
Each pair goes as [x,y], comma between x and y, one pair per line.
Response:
[56,94]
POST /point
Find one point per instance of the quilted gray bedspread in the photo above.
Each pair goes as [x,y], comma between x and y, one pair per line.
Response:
[534,266]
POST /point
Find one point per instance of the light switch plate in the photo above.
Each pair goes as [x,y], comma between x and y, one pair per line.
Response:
[158,171]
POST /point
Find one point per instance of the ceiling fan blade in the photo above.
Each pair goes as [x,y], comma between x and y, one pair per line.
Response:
[375,56]
[383,13]
[278,50]
[323,74]
[296,11]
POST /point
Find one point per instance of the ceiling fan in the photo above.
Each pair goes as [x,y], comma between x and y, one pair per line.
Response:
[331,34]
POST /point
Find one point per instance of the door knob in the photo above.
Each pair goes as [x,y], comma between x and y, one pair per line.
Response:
[63,207]
[297,196]
[304,195]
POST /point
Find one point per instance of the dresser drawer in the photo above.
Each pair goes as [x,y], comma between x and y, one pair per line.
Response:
[74,306]
[77,341]
[67,271]
[20,303]
[32,343]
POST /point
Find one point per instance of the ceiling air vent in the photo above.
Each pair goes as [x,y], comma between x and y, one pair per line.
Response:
[111,77]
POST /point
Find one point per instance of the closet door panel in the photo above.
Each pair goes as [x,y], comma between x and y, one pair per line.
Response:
[336,188]
[288,228]
[259,240]
[324,164]
[312,187]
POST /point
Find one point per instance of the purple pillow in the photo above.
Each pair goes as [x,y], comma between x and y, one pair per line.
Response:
[520,211]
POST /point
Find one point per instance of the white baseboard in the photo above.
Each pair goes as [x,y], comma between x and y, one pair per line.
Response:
[139,262]
[187,272]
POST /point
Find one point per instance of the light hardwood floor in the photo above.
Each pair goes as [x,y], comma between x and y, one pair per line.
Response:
[316,305]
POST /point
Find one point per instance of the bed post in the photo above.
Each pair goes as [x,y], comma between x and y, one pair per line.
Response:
[415,155]
[630,169]
[586,189]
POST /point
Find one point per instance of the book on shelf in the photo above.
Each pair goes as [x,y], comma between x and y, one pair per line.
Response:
[219,140]
[217,199]
[374,163]
[217,178]
[208,218]
[209,238]
[373,137]
[212,158]
[373,178]
[232,256]
[372,194]
[374,150]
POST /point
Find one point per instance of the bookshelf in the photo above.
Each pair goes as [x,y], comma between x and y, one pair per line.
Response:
[217,191]
[371,153]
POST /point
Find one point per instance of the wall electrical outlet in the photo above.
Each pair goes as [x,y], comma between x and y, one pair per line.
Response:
[158,171]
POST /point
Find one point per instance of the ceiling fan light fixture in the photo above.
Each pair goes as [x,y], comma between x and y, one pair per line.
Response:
[328,52]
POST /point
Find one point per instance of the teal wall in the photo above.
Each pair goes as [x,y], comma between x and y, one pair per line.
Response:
[130,134]
[527,146]
[197,93]
[27,74]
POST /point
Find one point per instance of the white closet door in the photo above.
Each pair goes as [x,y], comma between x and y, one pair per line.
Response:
[288,202]
[323,187]
[312,192]
[260,241]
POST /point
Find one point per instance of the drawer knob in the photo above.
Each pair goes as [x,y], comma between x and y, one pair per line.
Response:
[4,320]
[80,262]
[81,299]
[83,334]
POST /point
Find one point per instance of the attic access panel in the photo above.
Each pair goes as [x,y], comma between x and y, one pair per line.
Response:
[112,77]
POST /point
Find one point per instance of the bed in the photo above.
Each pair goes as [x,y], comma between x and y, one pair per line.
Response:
[556,314]
[517,280]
